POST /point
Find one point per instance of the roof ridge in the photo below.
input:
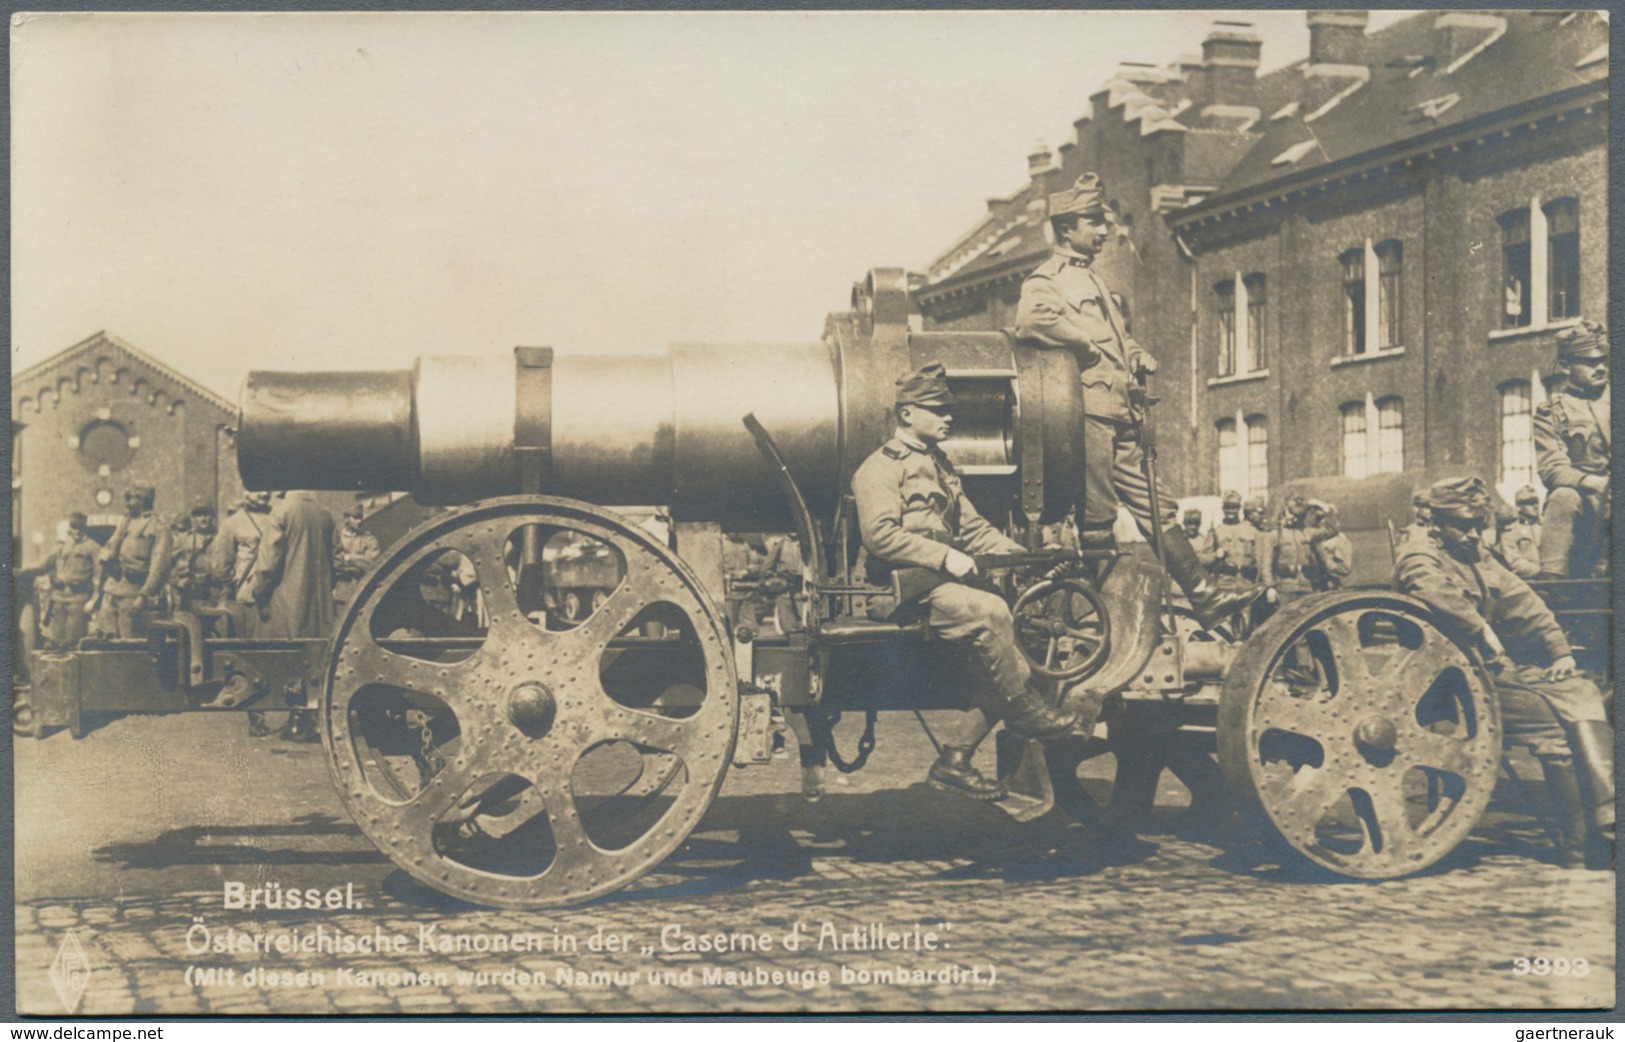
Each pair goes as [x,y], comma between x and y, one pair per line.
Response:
[102,336]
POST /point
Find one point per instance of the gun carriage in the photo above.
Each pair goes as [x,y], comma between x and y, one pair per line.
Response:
[524,755]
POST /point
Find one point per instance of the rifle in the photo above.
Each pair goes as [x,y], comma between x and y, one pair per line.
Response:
[909,584]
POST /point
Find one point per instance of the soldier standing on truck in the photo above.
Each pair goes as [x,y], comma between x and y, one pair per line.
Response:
[1065,304]
[1334,553]
[1206,544]
[136,562]
[913,514]
[1544,702]
[231,559]
[190,579]
[72,570]
[1572,445]
[1236,557]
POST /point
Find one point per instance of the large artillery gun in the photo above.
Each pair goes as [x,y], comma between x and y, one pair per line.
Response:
[514,756]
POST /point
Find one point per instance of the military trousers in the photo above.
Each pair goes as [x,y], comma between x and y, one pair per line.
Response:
[962,614]
[118,615]
[1537,712]
[1113,474]
[1574,533]
[70,618]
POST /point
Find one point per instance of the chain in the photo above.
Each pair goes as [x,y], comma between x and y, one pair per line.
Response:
[822,726]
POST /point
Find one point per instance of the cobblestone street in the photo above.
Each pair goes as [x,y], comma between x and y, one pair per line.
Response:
[127,838]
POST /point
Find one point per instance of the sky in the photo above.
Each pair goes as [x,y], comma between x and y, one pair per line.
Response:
[347,191]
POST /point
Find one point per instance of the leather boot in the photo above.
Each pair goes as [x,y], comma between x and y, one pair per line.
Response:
[953,773]
[1594,764]
[1029,716]
[1211,605]
[1567,810]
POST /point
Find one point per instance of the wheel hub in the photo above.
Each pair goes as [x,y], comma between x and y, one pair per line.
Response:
[1376,738]
[531,708]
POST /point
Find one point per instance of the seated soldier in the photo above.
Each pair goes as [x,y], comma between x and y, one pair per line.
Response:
[913,513]
[1572,445]
[1545,704]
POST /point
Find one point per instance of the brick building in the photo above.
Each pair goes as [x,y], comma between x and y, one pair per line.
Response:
[1350,267]
[101,416]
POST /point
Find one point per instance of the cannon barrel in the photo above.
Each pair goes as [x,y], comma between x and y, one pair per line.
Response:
[666,429]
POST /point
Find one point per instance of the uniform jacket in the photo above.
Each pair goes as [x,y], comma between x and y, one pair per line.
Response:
[231,558]
[294,570]
[912,508]
[73,565]
[1206,545]
[1240,545]
[1571,439]
[1065,304]
[1335,558]
[1468,595]
[143,548]
[191,568]
[354,553]
[1293,557]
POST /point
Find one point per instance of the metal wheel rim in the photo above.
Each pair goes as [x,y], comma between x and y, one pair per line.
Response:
[1255,701]
[515,651]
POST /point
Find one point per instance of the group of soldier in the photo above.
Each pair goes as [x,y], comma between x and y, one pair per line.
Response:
[276,568]
[913,514]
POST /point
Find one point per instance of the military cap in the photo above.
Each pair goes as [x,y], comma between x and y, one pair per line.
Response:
[1297,501]
[1256,503]
[927,385]
[1584,341]
[1460,498]
[1527,494]
[1086,197]
[78,520]
[203,510]
[1193,514]
[146,492]
[1420,498]
[1233,499]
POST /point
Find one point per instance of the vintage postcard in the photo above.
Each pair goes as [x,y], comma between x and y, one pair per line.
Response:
[811,512]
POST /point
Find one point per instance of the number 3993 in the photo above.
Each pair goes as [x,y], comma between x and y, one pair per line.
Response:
[1541,966]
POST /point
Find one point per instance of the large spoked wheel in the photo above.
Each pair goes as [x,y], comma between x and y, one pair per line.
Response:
[1062,628]
[1366,738]
[513,757]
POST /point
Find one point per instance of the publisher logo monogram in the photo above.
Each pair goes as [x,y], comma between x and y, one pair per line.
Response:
[70,971]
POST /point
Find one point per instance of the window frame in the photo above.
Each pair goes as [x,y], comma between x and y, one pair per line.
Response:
[1354,291]
[1225,362]
[1390,294]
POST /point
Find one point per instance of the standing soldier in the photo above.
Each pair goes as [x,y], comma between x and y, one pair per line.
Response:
[1544,702]
[354,554]
[136,561]
[1065,304]
[191,581]
[1294,566]
[1572,443]
[293,583]
[1334,553]
[231,559]
[1236,559]
[1206,544]
[1520,543]
[913,514]
[72,569]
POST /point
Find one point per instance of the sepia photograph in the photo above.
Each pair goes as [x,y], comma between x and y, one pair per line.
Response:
[807,512]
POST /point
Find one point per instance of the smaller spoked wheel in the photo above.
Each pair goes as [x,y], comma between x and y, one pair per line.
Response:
[1062,628]
[1365,738]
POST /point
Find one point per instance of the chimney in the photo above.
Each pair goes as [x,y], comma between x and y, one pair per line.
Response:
[1337,37]
[1230,56]
[1458,33]
[1038,161]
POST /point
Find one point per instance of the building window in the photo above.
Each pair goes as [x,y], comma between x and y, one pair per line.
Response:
[1515,268]
[1390,454]
[1230,474]
[1354,439]
[1563,264]
[1353,302]
[1257,314]
[105,447]
[1226,291]
[1390,294]
[1258,456]
[1517,435]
